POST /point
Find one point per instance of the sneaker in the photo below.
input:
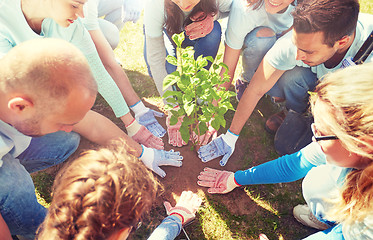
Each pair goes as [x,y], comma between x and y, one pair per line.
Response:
[275,121]
[240,87]
[303,214]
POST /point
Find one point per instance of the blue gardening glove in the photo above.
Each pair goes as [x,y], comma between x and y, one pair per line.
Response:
[153,159]
[222,146]
[131,10]
[146,117]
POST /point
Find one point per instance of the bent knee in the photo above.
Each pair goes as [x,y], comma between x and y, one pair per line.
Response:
[265,32]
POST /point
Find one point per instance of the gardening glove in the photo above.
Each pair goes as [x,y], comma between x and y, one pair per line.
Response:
[217,181]
[186,207]
[131,10]
[201,26]
[222,146]
[174,136]
[146,117]
[142,135]
[204,139]
[153,158]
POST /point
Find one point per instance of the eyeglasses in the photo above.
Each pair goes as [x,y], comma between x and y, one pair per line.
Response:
[317,136]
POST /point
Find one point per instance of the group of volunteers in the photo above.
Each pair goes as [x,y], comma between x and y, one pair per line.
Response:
[56,55]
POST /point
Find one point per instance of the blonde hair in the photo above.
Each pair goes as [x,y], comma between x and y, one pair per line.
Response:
[100,193]
[349,93]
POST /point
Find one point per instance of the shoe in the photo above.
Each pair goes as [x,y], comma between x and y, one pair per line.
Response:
[275,121]
[303,214]
[240,87]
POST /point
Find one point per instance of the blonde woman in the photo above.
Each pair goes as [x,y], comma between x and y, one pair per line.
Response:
[104,194]
[337,165]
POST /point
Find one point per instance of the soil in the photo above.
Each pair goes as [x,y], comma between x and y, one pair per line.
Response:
[184,178]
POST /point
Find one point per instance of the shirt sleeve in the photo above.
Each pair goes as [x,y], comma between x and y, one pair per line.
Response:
[287,168]
[154,18]
[282,55]
[90,19]
[5,45]
[167,230]
[241,21]
[106,85]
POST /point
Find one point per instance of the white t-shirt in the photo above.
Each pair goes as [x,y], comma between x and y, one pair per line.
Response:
[243,19]
[282,55]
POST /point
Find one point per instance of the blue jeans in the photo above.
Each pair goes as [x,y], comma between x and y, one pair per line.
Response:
[18,204]
[293,86]
[206,46]
[253,51]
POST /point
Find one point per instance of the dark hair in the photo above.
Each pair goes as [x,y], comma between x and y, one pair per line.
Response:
[174,15]
[334,18]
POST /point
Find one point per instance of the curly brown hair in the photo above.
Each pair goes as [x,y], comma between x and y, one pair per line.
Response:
[100,193]
[175,22]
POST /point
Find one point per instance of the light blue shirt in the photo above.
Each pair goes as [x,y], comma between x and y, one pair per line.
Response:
[243,19]
[322,182]
[14,29]
[11,141]
[282,55]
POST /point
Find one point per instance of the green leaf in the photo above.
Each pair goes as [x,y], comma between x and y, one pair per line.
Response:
[184,132]
[171,100]
[189,108]
[224,66]
[202,128]
[211,59]
[170,79]
[172,60]
[178,38]
[215,124]
[173,120]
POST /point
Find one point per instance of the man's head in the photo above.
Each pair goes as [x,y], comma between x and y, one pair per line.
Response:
[46,86]
[323,28]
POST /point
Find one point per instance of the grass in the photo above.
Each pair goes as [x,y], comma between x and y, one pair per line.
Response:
[273,203]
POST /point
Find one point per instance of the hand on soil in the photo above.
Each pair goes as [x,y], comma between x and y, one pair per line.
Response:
[217,181]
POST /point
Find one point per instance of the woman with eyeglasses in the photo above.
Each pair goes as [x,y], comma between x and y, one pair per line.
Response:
[337,165]
[103,195]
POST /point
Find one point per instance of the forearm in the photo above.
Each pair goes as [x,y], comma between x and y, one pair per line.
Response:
[231,57]
[167,230]
[113,68]
[99,129]
[156,55]
[287,168]
[263,80]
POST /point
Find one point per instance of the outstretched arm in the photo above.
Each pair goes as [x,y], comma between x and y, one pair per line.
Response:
[230,58]
[116,72]
[263,80]
[99,129]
